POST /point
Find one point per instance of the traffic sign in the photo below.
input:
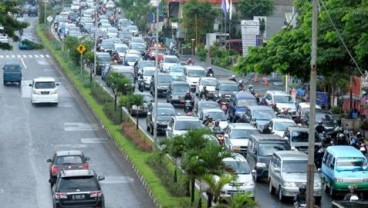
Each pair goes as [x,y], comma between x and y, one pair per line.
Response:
[81,49]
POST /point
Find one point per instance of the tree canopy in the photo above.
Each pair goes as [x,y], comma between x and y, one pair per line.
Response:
[8,12]
[288,52]
[137,11]
[198,19]
[250,8]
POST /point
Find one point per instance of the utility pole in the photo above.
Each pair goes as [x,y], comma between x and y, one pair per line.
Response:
[95,47]
[312,112]
[156,75]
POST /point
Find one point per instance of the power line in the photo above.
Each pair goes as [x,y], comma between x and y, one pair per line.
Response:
[341,39]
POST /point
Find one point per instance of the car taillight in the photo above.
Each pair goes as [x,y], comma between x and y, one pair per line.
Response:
[96,194]
[54,170]
[85,166]
[60,195]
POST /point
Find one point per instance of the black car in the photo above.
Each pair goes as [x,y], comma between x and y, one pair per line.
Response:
[164,113]
[103,58]
[201,104]
[324,116]
[33,11]
[226,88]
[177,91]
[238,104]
[163,83]
[78,188]
[66,159]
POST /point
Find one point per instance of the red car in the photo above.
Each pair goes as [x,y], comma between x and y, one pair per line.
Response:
[66,160]
[152,53]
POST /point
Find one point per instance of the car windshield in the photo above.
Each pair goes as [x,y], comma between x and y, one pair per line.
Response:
[208,105]
[138,46]
[68,159]
[147,98]
[171,60]
[246,102]
[263,114]
[165,111]
[349,163]
[283,99]
[148,72]
[267,149]
[302,136]
[164,79]
[44,85]
[294,166]
[228,87]
[121,49]
[131,58]
[12,68]
[209,82]
[324,117]
[187,125]
[282,125]
[146,63]
[68,184]
[180,88]
[242,133]
[238,167]
[104,58]
[196,73]
[217,115]
[177,69]
[160,51]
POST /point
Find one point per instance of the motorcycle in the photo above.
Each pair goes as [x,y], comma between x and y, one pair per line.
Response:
[300,205]
[210,74]
[220,138]
[141,85]
[188,107]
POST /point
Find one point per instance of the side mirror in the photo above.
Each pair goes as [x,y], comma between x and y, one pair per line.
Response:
[276,170]
[30,85]
[169,128]
[149,113]
[49,160]
[100,178]
[253,172]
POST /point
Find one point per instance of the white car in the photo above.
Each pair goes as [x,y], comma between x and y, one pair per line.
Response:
[216,114]
[179,125]
[209,82]
[147,73]
[44,90]
[193,74]
[167,61]
[278,126]
[131,59]
[110,4]
[244,180]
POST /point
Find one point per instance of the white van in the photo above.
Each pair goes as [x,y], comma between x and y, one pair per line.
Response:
[44,90]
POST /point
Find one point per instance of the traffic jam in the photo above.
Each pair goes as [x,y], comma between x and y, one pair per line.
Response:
[268,130]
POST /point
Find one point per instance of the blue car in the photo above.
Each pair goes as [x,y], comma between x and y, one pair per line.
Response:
[239,103]
[25,43]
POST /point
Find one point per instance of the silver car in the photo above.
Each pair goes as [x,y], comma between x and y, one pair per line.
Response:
[288,171]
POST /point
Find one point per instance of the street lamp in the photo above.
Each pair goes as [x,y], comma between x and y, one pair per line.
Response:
[156,75]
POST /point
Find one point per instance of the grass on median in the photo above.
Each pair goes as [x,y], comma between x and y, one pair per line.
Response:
[137,156]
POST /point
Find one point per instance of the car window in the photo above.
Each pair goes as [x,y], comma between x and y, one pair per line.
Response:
[208,82]
[268,97]
[219,115]
[269,149]
[282,126]
[283,99]
[165,111]
[246,102]
[242,133]
[187,125]
[164,79]
[238,167]
[349,163]
[171,60]
[12,68]
[81,183]
[44,85]
[148,72]
[294,166]
[228,87]
[196,73]
[70,159]
[302,136]
[180,88]
[263,114]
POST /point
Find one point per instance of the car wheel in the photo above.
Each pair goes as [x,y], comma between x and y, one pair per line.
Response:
[271,189]
[318,200]
[280,196]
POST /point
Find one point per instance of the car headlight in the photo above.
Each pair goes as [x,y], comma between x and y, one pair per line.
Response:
[261,165]
[289,184]
[36,92]
[53,92]
[235,148]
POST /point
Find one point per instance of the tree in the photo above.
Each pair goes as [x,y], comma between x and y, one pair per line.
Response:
[250,8]
[288,52]
[216,183]
[119,85]
[198,19]
[241,200]
[137,11]
[8,13]
[175,147]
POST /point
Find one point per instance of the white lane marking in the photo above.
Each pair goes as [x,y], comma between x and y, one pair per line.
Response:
[7,56]
[24,64]
[30,56]
[25,56]
[1,56]
[117,180]
[36,56]
[69,146]
[42,56]
[93,140]
[47,56]
[42,62]
[80,127]
[13,56]
[19,56]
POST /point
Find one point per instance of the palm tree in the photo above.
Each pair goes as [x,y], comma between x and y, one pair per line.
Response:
[174,147]
[242,200]
[216,183]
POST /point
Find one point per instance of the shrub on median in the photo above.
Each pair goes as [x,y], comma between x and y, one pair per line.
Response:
[139,139]
[101,95]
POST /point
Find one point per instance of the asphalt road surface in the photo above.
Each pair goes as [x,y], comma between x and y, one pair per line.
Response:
[31,134]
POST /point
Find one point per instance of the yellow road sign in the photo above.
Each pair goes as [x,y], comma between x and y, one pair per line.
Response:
[81,48]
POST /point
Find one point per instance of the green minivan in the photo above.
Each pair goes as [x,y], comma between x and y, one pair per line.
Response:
[12,73]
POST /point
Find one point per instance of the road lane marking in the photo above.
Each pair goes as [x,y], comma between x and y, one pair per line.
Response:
[25,56]
[80,127]
[93,140]
[36,56]
[117,180]
[47,56]
[7,56]
[13,56]
[24,64]
[42,56]
[69,146]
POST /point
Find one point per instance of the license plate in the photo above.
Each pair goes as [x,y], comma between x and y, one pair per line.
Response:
[78,196]
[182,101]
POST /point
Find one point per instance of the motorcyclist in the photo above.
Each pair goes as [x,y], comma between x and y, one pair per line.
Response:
[251,89]
[233,78]
[240,85]
[300,198]
[351,193]
[210,72]
[216,129]
[188,96]
[320,128]
[298,119]
[204,93]
[354,140]
[340,139]
[190,62]
[209,122]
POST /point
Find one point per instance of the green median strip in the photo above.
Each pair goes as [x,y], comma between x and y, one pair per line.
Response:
[138,157]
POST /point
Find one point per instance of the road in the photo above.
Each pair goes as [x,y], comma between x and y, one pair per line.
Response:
[31,134]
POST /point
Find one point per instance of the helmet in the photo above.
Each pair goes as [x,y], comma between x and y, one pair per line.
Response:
[209,68]
[233,76]
[240,81]
[250,86]
[358,134]
[302,188]
[217,122]
[340,136]
[320,123]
